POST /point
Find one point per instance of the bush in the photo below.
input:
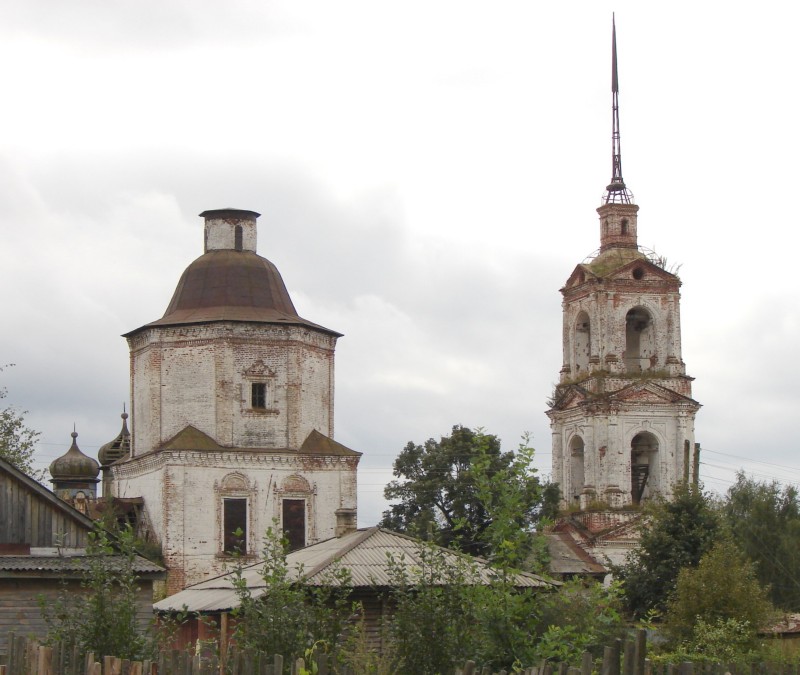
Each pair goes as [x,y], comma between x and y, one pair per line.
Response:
[102,618]
[290,618]
[721,592]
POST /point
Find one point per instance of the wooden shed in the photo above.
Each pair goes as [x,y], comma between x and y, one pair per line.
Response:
[364,554]
[42,544]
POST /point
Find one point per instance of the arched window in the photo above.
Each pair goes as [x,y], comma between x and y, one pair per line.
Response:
[644,478]
[296,508]
[577,475]
[582,342]
[234,493]
[640,350]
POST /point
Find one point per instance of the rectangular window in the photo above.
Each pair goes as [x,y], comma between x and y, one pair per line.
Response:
[294,522]
[258,395]
[234,517]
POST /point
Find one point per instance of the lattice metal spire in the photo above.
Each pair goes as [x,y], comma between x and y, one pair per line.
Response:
[616,192]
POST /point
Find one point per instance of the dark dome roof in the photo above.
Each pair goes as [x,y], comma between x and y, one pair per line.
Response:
[230,285]
[118,448]
[74,465]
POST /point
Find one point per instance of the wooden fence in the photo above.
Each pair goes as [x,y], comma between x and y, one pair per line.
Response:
[28,657]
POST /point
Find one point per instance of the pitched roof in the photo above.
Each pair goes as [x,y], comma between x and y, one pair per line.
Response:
[191,438]
[319,444]
[13,565]
[45,494]
[566,557]
[364,553]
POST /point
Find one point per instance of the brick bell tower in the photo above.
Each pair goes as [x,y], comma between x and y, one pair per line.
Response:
[622,414]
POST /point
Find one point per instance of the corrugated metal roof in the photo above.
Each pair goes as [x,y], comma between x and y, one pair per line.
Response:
[364,553]
[72,563]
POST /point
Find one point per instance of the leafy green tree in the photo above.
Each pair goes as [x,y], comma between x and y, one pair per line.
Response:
[764,521]
[437,617]
[101,619]
[17,441]
[584,615]
[463,491]
[675,534]
[291,618]
[722,586]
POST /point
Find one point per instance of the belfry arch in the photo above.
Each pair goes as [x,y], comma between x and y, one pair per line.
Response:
[640,344]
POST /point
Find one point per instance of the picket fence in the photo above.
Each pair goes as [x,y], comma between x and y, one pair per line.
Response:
[28,657]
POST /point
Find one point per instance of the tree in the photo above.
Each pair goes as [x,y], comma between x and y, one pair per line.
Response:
[722,587]
[102,618]
[291,618]
[464,491]
[764,521]
[675,534]
[17,441]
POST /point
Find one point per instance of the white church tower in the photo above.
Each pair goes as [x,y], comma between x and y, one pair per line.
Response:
[622,415]
[232,413]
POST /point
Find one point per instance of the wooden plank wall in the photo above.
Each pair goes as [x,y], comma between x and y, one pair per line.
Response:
[26,518]
[20,611]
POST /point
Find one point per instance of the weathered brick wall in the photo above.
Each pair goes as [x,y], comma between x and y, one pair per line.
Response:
[192,488]
[201,375]
[632,370]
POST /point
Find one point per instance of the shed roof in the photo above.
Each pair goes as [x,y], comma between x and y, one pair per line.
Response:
[66,564]
[364,553]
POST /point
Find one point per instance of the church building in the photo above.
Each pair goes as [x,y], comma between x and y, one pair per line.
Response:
[232,415]
[622,414]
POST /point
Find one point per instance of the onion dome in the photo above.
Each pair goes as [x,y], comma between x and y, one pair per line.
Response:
[230,281]
[74,465]
[118,448]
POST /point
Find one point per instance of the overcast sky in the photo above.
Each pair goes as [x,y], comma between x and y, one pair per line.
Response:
[428,174]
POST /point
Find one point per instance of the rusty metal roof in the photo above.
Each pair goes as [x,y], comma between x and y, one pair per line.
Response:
[320,444]
[364,553]
[568,558]
[229,285]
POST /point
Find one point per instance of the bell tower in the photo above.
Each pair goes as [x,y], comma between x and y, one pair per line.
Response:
[622,413]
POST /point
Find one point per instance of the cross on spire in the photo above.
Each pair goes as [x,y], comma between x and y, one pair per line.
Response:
[616,192]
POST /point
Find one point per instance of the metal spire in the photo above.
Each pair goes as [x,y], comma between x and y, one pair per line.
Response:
[616,192]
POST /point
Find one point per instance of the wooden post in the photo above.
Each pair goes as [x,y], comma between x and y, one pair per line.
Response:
[627,658]
[469,668]
[686,460]
[611,659]
[12,659]
[45,660]
[223,640]
[587,663]
[277,664]
[640,654]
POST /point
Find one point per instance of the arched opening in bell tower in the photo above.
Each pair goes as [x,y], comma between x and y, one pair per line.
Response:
[639,340]
[644,452]
[582,342]
[577,468]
